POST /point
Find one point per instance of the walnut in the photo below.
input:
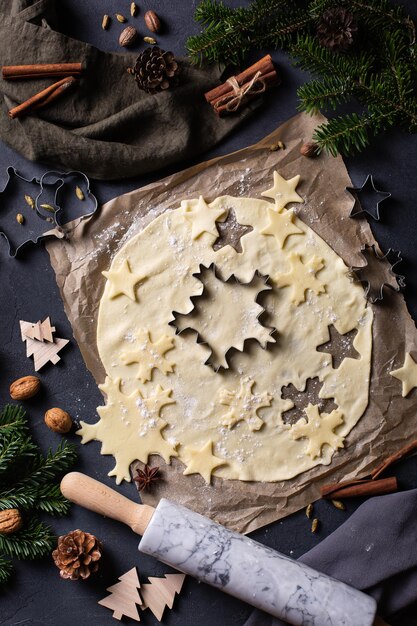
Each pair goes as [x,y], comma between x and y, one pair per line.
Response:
[58,420]
[25,388]
[10,521]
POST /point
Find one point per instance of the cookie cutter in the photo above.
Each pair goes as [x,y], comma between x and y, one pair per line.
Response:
[36,236]
[199,338]
[368,187]
[59,180]
[382,265]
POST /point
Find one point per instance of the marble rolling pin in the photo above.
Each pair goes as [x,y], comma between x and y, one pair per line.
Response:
[237,565]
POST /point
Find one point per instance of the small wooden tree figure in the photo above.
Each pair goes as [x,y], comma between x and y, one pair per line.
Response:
[160,593]
[124,596]
[40,342]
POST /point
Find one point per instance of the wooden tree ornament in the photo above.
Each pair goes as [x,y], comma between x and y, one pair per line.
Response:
[40,342]
[124,596]
[160,593]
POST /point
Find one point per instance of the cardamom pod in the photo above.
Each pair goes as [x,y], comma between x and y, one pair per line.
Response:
[150,40]
[133,9]
[309,511]
[314,525]
[339,505]
[106,22]
[48,207]
[30,201]
[79,193]
[120,18]
[20,219]
[277,146]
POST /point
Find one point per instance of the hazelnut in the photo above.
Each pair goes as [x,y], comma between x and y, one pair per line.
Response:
[25,388]
[152,21]
[10,521]
[128,36]
[309,149]
[58,420]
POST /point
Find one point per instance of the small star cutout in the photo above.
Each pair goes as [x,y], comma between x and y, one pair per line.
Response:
[202,461]
[283,191]
[123,281]
[231,232]
[407,374]
[340,347]
[281,226]
[203,218]
[367,199]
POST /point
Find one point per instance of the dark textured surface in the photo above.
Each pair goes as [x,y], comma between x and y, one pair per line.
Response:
[36,596]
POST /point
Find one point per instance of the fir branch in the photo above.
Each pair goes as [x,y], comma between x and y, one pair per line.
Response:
[324,94]
[33,541]
[6,569]
[347,134]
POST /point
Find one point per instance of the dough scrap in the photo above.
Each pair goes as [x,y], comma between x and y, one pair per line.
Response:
[202,461]
[149,355]
[301,277]
[123,281]
[318,430]
[202,217]
[267,454]
[281,226]
[244,405]
[130,427]
[283,191]
[407,374]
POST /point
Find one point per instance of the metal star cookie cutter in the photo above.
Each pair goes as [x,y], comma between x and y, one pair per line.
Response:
[33,227]
[367,187]
[379,269]
[61,182]
[268,335]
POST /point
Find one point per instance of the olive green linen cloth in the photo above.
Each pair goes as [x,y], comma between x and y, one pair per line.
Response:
[106,127]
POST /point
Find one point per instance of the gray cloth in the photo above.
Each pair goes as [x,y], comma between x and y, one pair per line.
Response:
[375,550]
[106,127]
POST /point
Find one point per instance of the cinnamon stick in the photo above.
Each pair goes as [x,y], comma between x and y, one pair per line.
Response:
[411,447]
[355,488]
[44,97]
[269,79]
[264,65]
[49,70]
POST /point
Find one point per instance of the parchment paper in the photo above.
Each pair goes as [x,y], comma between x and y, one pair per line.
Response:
[389,421]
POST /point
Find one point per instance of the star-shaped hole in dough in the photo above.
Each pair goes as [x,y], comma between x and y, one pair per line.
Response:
[339,346]
[231,232]
[225,315]
[202,217]
[123,281]
[407,374]
[149,355]
[202,461]
[130,427]
[319,430]
[301,277]
[281,226]
[283,191]
[244,405]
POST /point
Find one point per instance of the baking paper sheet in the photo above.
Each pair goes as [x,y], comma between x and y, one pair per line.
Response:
[389,421]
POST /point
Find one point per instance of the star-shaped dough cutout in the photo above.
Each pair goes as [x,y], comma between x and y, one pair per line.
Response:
[283,191]
[123,281]
[301,277]
[203,218]
[244,405]
[318,430]
[149,355]
[281,226]
[407,374]
[202,461]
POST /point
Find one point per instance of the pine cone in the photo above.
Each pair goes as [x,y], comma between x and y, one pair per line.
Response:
[77,555]
[155,70]
[336,29]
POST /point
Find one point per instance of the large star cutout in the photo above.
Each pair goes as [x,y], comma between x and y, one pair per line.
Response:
[281,226]
[202,461]
[367,198]
[203,218]
[407,374]
[283,191]
[231,232]
[123,281]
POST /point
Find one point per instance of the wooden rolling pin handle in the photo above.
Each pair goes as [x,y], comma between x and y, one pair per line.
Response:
[95,496]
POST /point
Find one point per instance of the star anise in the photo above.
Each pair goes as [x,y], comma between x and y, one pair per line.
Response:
[146,477]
